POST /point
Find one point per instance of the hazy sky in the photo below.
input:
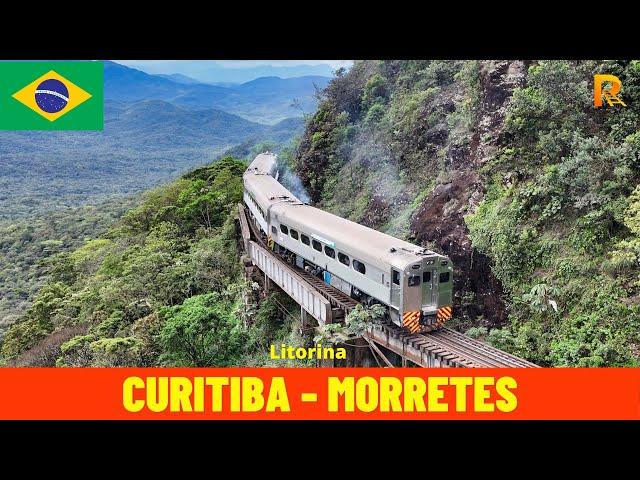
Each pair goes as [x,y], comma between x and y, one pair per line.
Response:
[238,70]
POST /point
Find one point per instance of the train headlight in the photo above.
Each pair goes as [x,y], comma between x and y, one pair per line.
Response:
[429,262]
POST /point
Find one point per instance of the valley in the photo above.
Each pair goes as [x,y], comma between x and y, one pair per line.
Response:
[62,187]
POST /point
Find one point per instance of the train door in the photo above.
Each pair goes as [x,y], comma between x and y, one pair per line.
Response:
[412,290]
[427,287]
[434,286]
[396,278]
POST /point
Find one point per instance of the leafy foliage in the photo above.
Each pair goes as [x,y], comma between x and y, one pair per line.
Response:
[200,332]
[559,218]
[356,323]
[125,287]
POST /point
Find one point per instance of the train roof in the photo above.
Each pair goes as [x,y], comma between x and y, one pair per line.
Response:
[267,190]
[372,246]
[265,163]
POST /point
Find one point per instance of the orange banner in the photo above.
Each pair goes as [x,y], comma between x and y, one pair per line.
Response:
[285,393]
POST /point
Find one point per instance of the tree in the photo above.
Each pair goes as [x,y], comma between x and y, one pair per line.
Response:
[356,323]
[200,332]
[206,202]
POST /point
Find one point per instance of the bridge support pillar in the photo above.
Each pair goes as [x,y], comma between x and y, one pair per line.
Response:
[305,321]
[267,284]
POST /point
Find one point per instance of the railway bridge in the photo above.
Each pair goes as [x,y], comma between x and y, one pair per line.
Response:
[388,343]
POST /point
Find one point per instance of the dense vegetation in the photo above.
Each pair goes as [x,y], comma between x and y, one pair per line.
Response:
[507,168]
[161,287]
[27,246]
[561,216]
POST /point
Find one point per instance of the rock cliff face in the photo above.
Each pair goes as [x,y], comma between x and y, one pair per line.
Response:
[440,218]
[413,171]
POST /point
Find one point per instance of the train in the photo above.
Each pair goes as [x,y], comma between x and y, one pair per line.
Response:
[413,283]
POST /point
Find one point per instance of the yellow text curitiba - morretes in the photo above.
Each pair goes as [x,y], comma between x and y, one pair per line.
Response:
[301,353]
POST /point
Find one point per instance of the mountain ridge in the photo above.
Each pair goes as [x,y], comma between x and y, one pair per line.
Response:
[212,72]
[179,78]
[263,100]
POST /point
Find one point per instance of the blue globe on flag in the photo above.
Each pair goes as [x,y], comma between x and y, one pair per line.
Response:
[52,95]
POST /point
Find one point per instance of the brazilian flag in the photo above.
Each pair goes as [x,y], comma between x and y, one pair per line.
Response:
[52,95]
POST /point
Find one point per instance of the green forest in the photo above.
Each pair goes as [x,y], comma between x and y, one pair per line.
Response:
[505,166]
[162,286]
[143,145]
[29,245]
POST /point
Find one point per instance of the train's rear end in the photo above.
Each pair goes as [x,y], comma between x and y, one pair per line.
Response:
[428,294]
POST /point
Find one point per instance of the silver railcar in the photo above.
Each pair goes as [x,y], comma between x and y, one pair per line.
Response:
[373,267]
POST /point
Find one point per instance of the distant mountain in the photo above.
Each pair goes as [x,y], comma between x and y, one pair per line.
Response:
[264,100]
[212,72]
[271,85]
[239,75]
[128,84]
[179,78]
[225,84]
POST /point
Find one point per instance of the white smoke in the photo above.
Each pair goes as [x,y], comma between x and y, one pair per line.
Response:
[272,166]
[292,182]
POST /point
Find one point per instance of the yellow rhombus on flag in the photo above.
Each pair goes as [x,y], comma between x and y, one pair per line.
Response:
[27,95]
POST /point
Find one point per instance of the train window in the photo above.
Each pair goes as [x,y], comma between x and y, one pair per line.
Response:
[284,229]
[444,277]
[344,259]
[274,230]
[426,277]
[329,252]
[294,234]
[414,280]
[305,239]
[359,267]
[396,277]
[317,245]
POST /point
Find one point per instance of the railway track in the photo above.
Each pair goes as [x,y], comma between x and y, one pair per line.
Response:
[501,358]
[457,349]
[452,347]
[336,297]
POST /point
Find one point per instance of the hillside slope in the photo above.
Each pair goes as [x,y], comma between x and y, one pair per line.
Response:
[26,245]
[506,167]
[161,286]
[143,144]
